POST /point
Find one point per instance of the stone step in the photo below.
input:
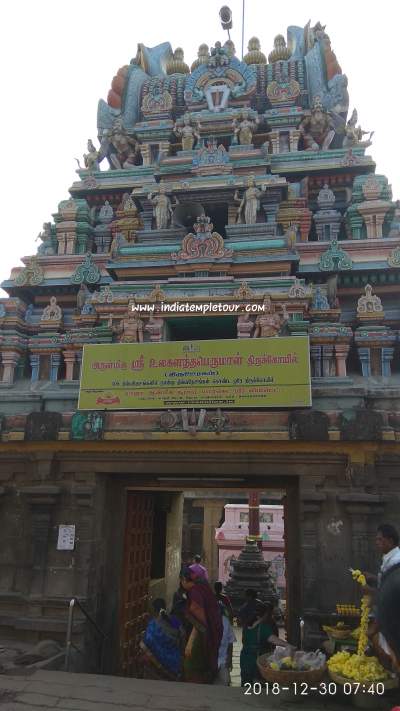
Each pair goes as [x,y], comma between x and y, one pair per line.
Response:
[55,690]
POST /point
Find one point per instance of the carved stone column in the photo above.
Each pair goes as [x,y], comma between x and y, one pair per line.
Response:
[386,358]
[9,361]
[327,360]
[147,214]
[55,360]
[163,149]
[311,502]
[146,153]
[79,356]
[315,352]
[69,358]
[364,354]
[274,138]
[341,353]
[232,213]
[294,135]
[34,359]
[42,499]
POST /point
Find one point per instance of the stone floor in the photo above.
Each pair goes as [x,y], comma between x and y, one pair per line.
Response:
[50,691]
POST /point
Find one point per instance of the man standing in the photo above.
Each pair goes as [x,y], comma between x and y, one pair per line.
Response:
[387,543]
[387,580]
[200,571]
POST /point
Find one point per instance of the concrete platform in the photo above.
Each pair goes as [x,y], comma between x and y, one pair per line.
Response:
[90,692]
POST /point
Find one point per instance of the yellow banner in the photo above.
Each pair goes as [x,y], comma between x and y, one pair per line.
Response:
[260,372]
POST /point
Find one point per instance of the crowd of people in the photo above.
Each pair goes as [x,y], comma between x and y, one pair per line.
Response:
[194,641]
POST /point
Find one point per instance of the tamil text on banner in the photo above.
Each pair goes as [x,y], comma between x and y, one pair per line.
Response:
[262,372]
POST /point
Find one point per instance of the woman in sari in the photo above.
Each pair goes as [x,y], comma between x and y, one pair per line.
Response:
[202,611]
[259,635]
[162,645]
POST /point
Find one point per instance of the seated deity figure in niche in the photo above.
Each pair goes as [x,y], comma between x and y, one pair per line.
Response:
[354,134]
[269,323]
[244,129]
[130,329]
[187,133]
[52,312]
[249,204]
[162,208]
[317,129]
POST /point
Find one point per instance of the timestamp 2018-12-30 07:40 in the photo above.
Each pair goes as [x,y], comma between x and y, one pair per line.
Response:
[323,688]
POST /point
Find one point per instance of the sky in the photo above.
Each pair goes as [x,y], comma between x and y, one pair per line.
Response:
[57,59]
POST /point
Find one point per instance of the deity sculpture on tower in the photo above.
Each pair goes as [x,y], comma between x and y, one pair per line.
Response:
[123,150]
[46,248]
[354,134]
[249,204]
[317,130]
[244,129]
[130,329]
[187,133]
[269,323]
[91,159]
[162,208]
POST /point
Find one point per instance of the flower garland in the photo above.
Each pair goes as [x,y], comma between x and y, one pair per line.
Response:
[357,666]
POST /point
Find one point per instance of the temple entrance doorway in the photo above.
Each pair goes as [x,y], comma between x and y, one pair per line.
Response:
[164,529]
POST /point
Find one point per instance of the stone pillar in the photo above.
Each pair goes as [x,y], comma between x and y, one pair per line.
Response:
[327,360]
[386,359]
[55,360]
[311,502]
[270,212]
[232,214]
[9,361]
[254,517]
[69,359]
[315,352]
[274,138]
[147,214]
[146,153]
[79,355]
[34,359]
[163,149]
[212,515]
[341,353]
[42,500]
[294,136]
[364,354]
[373,225]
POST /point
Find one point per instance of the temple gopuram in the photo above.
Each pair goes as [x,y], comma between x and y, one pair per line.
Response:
[230,181]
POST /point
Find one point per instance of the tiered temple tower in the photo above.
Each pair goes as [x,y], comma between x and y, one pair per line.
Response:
[234,181]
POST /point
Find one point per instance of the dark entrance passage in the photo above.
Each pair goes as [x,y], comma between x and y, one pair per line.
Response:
[150,567]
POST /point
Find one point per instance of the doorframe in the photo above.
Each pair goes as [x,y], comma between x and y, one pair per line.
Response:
[289,486]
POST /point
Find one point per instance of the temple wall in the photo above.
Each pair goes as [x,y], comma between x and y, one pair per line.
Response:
[342,500]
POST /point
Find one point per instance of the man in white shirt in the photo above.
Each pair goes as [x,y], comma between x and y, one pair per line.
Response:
[225,650]
[387,543]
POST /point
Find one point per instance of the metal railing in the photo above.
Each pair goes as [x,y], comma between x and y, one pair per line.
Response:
[69,643]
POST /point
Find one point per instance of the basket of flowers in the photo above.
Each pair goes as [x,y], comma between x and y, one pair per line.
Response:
[340,631]
[300,666]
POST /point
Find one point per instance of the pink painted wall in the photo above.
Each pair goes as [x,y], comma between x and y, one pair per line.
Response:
[231,537]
